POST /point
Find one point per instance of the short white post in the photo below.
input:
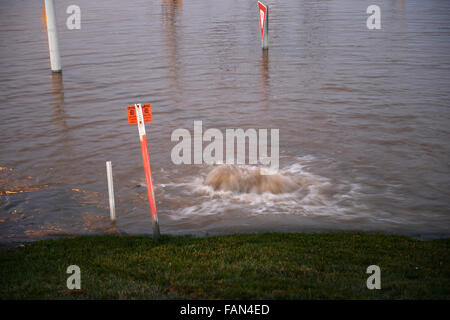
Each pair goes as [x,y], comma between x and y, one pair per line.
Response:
[264,24]
[265,40]
[112,206]
[53,46]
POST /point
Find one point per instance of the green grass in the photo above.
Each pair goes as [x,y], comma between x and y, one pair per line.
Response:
[241,266]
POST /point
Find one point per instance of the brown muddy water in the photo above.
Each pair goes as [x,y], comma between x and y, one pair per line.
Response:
[363,116]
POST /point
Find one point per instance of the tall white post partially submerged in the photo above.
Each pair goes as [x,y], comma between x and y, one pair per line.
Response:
[53,46]
[112,206]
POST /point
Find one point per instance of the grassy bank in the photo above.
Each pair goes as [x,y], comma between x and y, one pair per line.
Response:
[252,266]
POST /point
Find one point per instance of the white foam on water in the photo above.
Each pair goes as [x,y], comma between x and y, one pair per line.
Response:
[313,195]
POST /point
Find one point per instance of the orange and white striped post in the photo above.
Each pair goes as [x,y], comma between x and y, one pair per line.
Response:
[140,115]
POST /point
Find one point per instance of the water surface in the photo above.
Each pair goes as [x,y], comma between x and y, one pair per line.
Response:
[363,115]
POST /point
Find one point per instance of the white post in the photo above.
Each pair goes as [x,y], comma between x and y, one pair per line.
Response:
[53,47]
[112,206]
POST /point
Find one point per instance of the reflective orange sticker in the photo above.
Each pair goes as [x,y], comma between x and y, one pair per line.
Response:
[146,112]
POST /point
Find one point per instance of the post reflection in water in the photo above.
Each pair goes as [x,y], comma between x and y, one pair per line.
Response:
[265,77]
[59,114]
[171,10]
[59,117]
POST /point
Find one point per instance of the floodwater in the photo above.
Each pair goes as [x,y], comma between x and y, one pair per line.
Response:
[363,116]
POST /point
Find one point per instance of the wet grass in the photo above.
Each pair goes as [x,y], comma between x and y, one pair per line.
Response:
[241,266]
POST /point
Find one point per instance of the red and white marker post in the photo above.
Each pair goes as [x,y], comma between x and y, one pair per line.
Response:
[140,115]
[264,24]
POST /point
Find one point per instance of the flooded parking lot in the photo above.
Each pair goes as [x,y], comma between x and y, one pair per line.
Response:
[363,116]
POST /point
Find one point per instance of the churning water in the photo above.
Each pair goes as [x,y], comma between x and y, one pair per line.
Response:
[363,116]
